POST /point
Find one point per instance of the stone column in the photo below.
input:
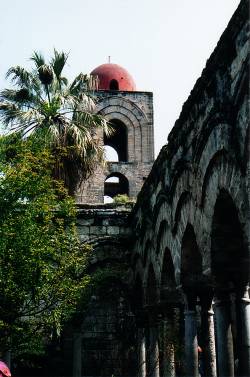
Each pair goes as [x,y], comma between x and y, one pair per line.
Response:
[154,364]
[208,336]
[168,357]
[7,358]
[191,343]
[77,354]
[141,352]
[225,354]
[243,330]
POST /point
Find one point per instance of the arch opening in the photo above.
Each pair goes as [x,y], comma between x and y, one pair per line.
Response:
[168,282]
[110,154]
[168,273]
[116,184]
[161,234]
[107,199]
[191,259]
[230,269]
[118,140]
[229,262]
[113,85]
[151,293]
[138,294]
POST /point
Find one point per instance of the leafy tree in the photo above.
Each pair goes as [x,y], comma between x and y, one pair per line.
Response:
[61,113]
[42,266]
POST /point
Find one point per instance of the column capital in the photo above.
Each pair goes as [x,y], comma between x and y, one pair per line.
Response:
[242,293]
[206,302]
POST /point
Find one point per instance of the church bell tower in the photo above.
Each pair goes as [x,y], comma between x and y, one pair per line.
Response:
[130,148]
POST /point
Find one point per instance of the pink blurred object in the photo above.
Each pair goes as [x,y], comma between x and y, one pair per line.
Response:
[4,370]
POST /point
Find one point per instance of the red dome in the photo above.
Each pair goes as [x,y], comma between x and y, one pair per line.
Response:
[113,77]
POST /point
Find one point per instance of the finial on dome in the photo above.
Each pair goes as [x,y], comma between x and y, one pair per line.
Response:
[109,59]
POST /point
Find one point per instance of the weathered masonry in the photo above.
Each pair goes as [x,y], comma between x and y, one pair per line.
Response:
[186,244]
[102,341]
[191,257]
[130,113]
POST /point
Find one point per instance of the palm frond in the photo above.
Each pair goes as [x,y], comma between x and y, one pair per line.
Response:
[62,115]
[21,96]
[38,59]
[79,85]
[64,80]
[19,76]
[58,63]
[9,112]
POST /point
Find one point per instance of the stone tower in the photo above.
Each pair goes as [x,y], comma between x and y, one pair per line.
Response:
[131,114]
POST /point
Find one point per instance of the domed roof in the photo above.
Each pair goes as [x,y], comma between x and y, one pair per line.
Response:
[114,77]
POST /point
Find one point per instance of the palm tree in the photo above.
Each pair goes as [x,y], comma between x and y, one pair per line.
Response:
[61,114]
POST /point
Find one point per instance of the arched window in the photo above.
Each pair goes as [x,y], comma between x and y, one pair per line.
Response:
[108,199]
[116,184]
[114,85]
[118,140]
[110,154]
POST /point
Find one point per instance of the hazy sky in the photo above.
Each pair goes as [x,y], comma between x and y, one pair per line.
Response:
[164,44]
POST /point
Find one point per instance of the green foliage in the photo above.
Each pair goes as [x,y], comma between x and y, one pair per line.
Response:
[42,103]
[42,265]
[123,199]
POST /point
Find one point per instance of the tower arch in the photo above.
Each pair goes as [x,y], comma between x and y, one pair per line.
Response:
[116,184]
[118,139]
[130,113]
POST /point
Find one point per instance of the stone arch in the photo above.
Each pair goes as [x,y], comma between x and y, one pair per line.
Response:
[160,236]
[215,143]
[116,183]
[183,200]
[106,250]
[146,252]
[159,201]
[136,121]
[221,156]
[157,197]
[182,184]
[124,103]
[133,130]
[183,212]
[180,179]
[214,137]
[223,174]
[161,213]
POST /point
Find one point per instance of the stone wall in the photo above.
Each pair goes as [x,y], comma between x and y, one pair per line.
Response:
[192,221]
[207,152]
[102,342]
[135,111]
[98,222]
